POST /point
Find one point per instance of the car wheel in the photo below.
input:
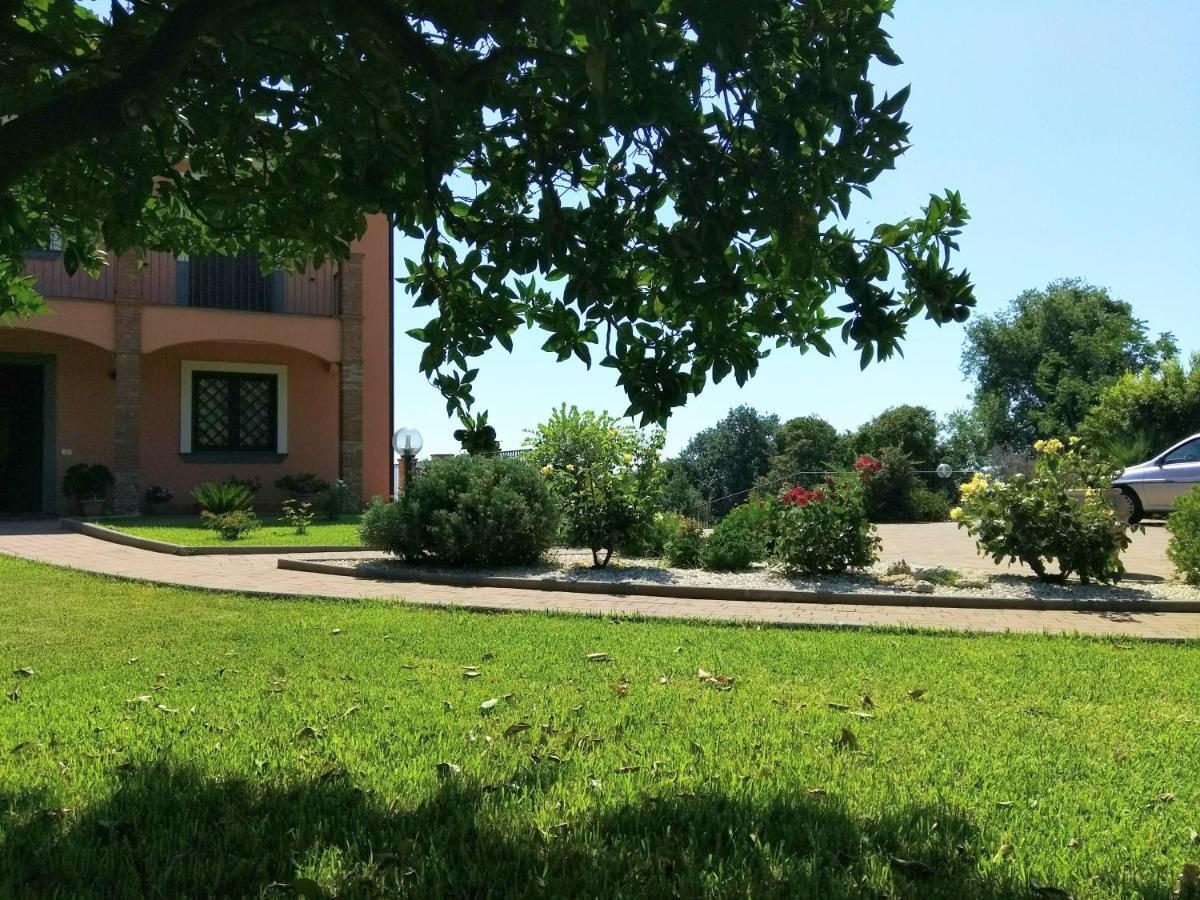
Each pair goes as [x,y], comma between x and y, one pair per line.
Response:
[1128,506]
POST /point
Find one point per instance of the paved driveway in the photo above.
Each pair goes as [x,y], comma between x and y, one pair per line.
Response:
[42,541]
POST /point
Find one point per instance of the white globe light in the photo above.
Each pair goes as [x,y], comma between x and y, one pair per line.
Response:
[407,441]
[944,471]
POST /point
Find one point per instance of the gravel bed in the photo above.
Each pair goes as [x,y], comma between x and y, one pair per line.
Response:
[572,565]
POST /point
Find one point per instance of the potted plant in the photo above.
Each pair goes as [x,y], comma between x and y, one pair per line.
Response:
[156,499]
[303,487]
[88,485]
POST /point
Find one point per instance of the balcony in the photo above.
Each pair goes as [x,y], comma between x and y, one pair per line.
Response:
[210,282]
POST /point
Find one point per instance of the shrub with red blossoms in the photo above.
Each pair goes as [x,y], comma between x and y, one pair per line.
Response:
[799,496]
[866,465]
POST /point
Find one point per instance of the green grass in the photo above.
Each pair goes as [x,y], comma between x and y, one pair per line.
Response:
[274,531]
[182,743]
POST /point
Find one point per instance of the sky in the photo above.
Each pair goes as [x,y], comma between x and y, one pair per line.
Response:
[1072,130]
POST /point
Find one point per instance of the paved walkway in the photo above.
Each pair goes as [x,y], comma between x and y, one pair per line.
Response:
[42,541]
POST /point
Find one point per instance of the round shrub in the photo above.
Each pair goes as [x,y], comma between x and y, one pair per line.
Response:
[929,506]
[826,532]
[1058,514]
[754,521]
[467,511]
[1183,549]
[728,549]
[682,548]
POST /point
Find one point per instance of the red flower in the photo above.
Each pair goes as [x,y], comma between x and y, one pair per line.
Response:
[867,466]
[799,496]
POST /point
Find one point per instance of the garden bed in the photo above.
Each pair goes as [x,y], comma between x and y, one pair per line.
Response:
[570,570]
[183,535]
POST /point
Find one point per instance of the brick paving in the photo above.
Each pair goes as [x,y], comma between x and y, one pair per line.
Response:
[42,541]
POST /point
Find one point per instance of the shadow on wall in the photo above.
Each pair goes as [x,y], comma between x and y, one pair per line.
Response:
[172,832]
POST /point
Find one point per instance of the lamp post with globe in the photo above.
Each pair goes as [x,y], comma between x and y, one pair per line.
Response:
[406,442]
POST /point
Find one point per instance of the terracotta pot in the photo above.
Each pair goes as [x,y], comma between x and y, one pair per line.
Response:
[92,507]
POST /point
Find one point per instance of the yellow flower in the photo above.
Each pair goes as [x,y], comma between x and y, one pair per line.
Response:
[547,469]
[1074,440]
[1050,447]
[956,514]
[570,467]
[975,485]
[628,458]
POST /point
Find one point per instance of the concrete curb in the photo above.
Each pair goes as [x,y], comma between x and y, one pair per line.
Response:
[131,540]
[751,595]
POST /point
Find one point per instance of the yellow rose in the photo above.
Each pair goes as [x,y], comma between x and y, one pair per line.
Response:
[1039,446]
[956,514]
[570,467]
[547,469]
[628,458]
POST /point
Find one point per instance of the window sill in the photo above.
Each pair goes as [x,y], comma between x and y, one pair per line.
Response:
[232,456]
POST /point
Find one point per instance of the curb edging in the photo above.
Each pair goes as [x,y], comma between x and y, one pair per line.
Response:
[751,595]
[132,540]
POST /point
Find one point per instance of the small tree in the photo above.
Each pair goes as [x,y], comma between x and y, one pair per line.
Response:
[606,477]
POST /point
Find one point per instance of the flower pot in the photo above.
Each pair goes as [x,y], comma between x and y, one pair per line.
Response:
[92,507]
[156,507]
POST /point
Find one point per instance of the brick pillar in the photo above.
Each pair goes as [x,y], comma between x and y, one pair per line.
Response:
[350,387]
[127,297]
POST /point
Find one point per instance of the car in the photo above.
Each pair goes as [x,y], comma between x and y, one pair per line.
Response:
[1151,488]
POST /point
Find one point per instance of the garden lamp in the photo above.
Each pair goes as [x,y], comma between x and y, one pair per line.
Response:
[407,442]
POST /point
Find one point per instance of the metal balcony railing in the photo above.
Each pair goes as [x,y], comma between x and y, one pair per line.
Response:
[209,282]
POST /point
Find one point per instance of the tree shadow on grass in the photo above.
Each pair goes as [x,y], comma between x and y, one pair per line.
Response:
[173,832]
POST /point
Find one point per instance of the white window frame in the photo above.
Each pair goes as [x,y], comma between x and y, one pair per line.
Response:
[191,366]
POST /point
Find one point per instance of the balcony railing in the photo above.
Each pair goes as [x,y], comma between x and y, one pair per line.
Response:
[211,282]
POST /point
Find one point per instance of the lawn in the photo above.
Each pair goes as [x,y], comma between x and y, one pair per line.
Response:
[169,742]
[274,531]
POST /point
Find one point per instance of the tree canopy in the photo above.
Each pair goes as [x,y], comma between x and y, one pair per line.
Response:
[912,429]
[732,455]
[1040,365]
[803,444]
[661,188]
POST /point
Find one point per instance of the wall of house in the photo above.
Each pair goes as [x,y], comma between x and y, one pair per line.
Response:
[85,398]
[377,358]
[311,432]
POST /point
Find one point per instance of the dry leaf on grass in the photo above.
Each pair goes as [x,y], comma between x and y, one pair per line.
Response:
[916,693]
[516,728]
[488,705]
[597,657]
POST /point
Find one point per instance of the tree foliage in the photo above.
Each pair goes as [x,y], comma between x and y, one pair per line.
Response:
[732,455]
[803,444]
[1146,411]
[911,429]
[660,188]
[1040,365]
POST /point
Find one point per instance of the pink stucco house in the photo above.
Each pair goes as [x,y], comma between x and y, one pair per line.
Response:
[181,371]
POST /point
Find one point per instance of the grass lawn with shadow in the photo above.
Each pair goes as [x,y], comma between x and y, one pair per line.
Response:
[167,742]
[274,531]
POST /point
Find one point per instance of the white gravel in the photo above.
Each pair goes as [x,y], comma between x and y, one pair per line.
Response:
[576,565]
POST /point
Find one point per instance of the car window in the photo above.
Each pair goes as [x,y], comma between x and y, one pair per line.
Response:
[1189,452]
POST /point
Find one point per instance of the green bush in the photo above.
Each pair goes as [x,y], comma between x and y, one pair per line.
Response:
[1059,513]
[1183,549]
[219,497]
[302,483]
[467,511]
[232,525]
[826,532]
[929,506]
[605,477]
[649,539]
[337,500]
[298,514]
[682,548]
[729,548]
[87,482]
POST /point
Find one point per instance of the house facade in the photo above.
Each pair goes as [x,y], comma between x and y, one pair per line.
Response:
[172,372]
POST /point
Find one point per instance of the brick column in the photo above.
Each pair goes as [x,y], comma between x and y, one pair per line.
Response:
[350,386]
[127,456]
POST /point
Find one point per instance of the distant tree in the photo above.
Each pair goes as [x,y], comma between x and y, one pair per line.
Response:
[1041,364]
[912,429]
[964,440]
[733,454]
[1143,413]
[803,444]
[679,494]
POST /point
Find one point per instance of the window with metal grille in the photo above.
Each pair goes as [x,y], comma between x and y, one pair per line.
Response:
[234,411]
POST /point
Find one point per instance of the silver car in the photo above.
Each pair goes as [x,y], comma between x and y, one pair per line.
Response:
[1151,488]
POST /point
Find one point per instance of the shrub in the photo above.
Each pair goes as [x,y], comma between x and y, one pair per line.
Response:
[337,500]
[86,482]
[929,506]
[467,511]
[1183,549]
[826,532]
[252,484]
[156,495]
[729,547]
[682,548]
[605,477]
[230,525]
[1058,513]
[755,519]
[303,483]
[218,497]
[651,537]
[298,515]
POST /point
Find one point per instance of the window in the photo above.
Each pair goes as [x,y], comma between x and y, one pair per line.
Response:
[216,281]
[233,408]
[1189,452]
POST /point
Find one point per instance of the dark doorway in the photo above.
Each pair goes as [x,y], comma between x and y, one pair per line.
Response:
[22,431]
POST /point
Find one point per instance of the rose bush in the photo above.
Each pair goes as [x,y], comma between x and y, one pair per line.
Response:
[1060,514]
[826,531]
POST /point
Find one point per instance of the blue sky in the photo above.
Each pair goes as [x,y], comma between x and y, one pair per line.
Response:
[1072,129]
